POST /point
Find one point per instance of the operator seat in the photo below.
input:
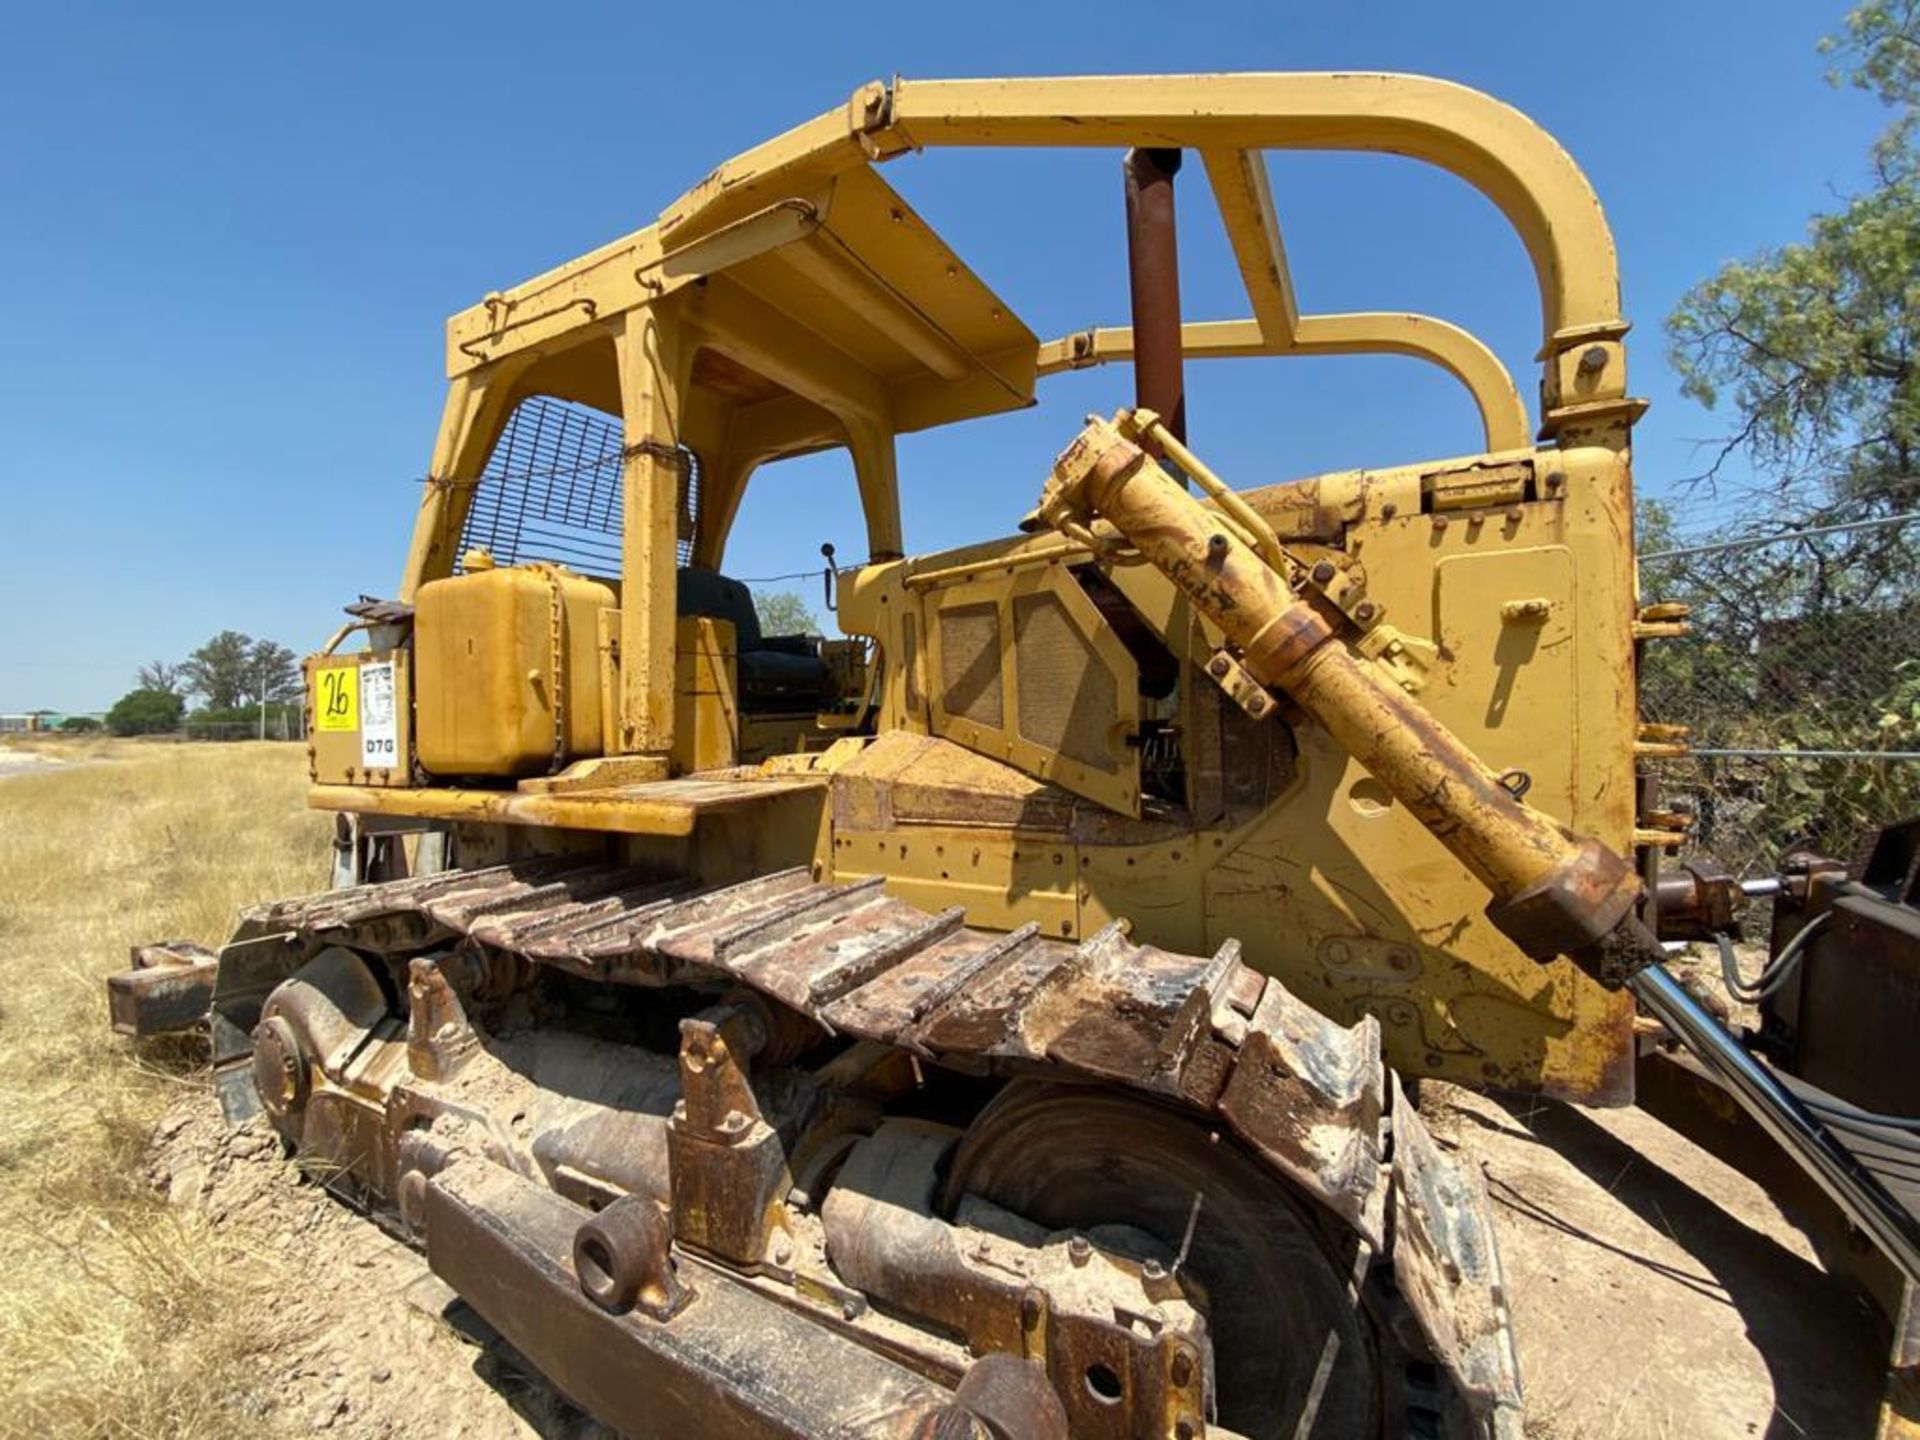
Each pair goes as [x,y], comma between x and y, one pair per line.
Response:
[777,673]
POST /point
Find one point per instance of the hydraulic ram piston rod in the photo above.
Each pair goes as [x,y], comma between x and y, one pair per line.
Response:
[1776,1110]
[1554,892]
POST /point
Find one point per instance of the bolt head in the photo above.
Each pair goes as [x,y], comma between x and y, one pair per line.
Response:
[1218,666]
[1593,359]
[1323,572]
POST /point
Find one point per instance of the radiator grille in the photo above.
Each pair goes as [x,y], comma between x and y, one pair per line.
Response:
[970,663]
[910,665]
[1068,697]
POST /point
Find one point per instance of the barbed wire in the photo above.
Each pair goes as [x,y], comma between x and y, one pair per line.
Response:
[1755,542]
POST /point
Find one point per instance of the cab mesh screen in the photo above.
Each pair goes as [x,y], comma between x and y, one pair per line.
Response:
[551,490]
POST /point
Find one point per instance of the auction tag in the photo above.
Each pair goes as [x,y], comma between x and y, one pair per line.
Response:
[379,726]
[337,700]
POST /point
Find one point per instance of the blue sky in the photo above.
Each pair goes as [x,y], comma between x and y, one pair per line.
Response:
[230,236]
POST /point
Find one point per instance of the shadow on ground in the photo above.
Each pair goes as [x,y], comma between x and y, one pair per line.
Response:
[1650,1303]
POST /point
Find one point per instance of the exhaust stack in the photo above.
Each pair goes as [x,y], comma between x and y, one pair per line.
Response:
[1153,274]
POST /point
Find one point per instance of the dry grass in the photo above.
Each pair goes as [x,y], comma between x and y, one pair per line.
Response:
[118,1315]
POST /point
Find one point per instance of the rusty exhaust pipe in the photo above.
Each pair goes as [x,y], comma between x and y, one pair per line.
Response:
[1153,276]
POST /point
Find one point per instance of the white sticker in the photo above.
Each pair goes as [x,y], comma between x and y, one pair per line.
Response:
[379,727]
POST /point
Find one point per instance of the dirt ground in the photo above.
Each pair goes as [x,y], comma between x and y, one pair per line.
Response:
[1655,1292]
[373,1344]
[163,1276]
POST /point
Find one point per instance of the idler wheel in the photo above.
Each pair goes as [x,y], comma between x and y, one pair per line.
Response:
[279,1068]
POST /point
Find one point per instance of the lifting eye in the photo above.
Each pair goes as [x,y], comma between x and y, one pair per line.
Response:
[1516,782]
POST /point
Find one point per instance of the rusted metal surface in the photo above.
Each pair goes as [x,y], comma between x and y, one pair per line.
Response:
[1553,893]
[1008,1286]
[730,1362]
[1697,903]
[1007,1398]
[754,1162]
[623,1257]
[1449,1269]
[1107,1009]
[169,987]
[1153,277]
[729,1166]
[1207,1213]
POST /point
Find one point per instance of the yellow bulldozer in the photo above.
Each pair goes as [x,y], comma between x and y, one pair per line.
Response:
[985,1023]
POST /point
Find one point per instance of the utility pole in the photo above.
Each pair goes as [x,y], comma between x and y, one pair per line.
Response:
[263,699]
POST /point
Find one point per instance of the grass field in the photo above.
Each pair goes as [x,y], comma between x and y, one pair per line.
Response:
[120,1316]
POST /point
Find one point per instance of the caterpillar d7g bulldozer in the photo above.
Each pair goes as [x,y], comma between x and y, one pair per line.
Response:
[978,1025]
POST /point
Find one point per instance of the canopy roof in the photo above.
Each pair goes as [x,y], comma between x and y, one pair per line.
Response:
[803,235]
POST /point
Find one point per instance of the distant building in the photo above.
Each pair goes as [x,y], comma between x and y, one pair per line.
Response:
[35,722]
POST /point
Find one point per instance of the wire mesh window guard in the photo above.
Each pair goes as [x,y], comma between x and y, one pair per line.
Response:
[551,490]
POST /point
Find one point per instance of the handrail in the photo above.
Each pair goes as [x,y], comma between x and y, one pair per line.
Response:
[1503,415]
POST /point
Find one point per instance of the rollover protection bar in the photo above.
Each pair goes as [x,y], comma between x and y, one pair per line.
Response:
[1554,893]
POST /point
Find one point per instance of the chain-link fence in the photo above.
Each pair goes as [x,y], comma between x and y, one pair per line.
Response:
[1799,683]
[279,723]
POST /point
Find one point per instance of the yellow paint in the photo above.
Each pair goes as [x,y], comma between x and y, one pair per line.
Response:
[793,301]
[706,703]
[507,669]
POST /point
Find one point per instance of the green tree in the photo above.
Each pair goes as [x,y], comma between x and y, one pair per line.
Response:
[1812,346]
[79,725]
[274,673]
[233,670]
[217,671]
[1800,644]
[145,712]
[782,612]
